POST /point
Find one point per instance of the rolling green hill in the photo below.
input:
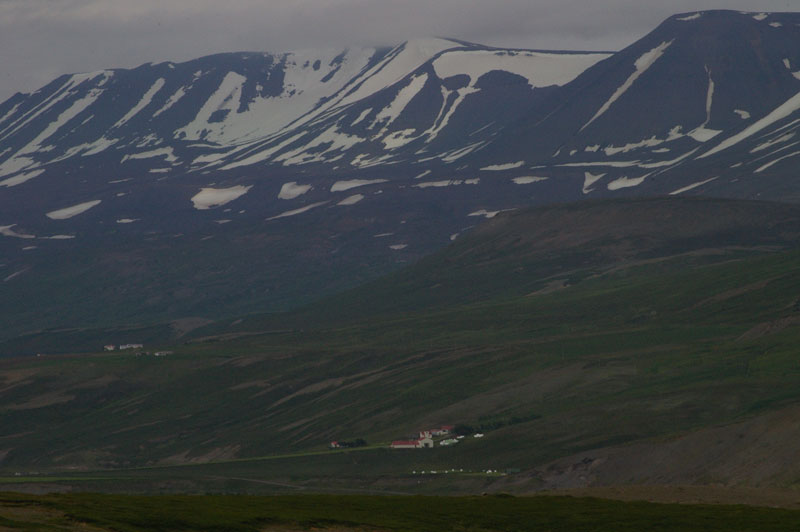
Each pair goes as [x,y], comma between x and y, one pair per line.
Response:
[635,351]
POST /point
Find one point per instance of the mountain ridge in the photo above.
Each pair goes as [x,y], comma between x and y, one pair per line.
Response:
[399,151]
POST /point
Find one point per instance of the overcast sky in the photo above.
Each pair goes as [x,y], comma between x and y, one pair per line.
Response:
[41,39]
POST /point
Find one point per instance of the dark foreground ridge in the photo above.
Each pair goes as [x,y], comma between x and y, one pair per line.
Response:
[359,513]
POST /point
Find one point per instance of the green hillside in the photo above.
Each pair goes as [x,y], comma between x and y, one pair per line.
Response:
[671,361]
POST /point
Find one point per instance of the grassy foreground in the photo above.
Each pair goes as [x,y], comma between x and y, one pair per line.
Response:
[315,512]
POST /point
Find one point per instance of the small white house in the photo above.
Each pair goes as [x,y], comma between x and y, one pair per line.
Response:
[424,443]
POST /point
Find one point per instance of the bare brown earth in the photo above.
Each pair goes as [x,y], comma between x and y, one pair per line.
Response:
[770,327]
[758,452]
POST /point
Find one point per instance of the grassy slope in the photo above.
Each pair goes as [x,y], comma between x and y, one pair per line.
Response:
[652,350]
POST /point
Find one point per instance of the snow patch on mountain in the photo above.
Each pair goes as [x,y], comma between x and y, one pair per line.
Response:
[614,164]
[310,77]
[15,274]
[295,212]
[391,112]
[484,213]
[144,102]
[35,145]
[692,186]
[662,164]
[423,174]
[398,139]
[21,178]
[626,182]
[448,109]
[590,179]
[690,17]
[292,190]
[225,98]
[74,210]
[772,142]
[341,186]
[641,65]
[172,100]
[782,111]
[361,117]
[527,180]
[7,230]
[674,134]
[744,115]
[500,167]
[61,93]
[541,69]
[16,164]
[351,200]
[209,197]
[396,65]
[332,138]
[167,153]
[448,183]
[776,161]
[703,134]
[258,156]
[454,155]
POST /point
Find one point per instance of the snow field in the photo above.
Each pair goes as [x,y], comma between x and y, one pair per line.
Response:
[541,69]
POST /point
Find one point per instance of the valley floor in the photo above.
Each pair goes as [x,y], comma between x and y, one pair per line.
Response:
[95,513]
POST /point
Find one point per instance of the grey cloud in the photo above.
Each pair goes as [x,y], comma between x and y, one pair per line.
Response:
[41,39]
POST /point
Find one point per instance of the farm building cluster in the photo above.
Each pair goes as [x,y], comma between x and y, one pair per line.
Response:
[125,347]
[425,439]
[122,347]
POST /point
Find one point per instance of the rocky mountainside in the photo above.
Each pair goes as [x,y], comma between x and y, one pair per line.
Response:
[251,181]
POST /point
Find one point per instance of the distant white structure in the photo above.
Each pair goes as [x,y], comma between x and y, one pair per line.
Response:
[421,443]
[130,346]
[109,347]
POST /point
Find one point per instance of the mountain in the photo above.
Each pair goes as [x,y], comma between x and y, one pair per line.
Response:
[707,102]
[252,182]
